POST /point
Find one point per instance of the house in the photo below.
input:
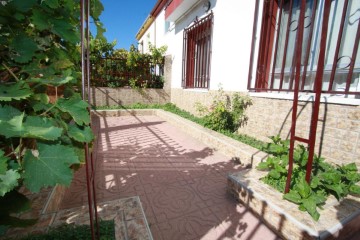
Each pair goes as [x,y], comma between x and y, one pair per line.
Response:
[251,47]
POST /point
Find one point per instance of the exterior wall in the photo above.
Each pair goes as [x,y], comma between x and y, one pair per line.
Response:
[338,131]
[155,34]
[339,126]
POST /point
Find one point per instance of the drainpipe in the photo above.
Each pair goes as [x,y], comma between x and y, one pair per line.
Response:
[253,41]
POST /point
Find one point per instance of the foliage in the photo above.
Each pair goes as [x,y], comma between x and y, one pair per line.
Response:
[326,179]
[43,120]
[225,114]
[121,68]
[76,232]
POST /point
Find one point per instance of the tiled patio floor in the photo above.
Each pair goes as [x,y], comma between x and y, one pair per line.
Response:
[180,181]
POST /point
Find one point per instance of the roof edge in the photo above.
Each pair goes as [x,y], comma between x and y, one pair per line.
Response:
[151,18]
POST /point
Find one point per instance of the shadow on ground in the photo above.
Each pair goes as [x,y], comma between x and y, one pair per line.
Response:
[181,182]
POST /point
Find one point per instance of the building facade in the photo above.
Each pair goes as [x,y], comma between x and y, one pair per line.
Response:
[253,47]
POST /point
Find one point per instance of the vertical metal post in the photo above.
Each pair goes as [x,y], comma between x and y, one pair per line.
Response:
[298,44]
[318,85]
[85,80]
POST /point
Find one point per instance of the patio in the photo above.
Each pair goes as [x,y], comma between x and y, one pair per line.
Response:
[180,181]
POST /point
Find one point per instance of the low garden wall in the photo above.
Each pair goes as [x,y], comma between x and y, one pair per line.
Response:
[104,96]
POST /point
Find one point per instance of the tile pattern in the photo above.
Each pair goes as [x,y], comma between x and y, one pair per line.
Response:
[180,181]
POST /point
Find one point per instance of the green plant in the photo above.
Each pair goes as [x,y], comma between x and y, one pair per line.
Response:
[44,123]
[326,178]
[225,114]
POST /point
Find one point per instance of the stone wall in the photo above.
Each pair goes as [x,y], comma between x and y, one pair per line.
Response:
[103,96]
[338,133]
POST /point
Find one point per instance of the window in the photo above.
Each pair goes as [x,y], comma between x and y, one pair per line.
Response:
[197,53]
[279,31]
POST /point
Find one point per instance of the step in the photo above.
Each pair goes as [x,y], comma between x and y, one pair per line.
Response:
[338,220]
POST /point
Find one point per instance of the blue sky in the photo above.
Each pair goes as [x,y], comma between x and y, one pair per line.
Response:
[123,18]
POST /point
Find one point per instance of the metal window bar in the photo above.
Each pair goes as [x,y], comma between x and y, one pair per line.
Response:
[197,53]
[85,78]
[273,9]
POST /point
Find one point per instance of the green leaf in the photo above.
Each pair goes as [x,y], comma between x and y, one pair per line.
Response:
[350,167]
[293,196]
[274,174]
[40,20]
[23,48]
[65,30]
[96,9]
[262,166]
[303,188]
[310,206]
[55,81]
[3,162]
[40,128]
[10,121]
[354,189]
[12,125]
[52,3]
[337,189]
[15,91]
[50,167]
[84,134]
[76,107]
[8,181]
[315,181]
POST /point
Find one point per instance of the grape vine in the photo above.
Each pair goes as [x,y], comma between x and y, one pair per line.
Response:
[43,120]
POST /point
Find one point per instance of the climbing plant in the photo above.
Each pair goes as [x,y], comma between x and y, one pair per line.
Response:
[43,120]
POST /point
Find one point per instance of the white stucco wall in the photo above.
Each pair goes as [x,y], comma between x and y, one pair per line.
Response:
[231,43]
[155,33]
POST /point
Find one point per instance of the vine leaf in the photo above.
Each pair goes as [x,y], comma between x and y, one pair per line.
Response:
[76,107]
[12,125]
[40,20]
[40,128]
[65,30]
[50,167]
[81,134]
[23,48]
[8,181]
[56,81]
[16,91]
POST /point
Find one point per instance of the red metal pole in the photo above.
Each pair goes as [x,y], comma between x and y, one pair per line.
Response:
[298,44]
[318,85]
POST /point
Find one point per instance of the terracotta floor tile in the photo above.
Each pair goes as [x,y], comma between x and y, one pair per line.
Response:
[180,181]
